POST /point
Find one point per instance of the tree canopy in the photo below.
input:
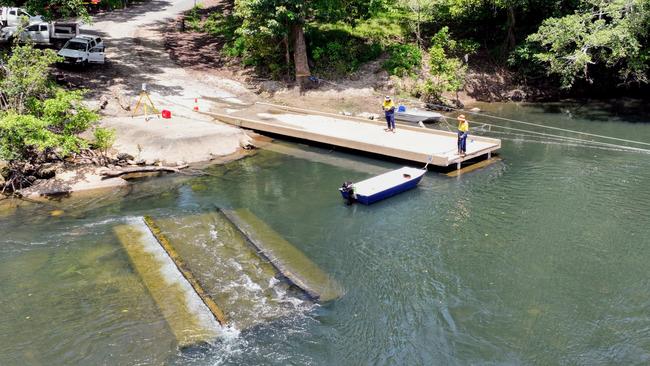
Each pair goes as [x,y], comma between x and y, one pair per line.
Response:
[570,40]
[605,36]
[274,29]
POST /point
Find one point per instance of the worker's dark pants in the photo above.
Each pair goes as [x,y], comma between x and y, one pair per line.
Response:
[462,141]
[390,120]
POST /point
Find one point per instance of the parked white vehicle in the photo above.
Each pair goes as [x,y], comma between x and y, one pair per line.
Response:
[10,17]
[83,50]
[43,33]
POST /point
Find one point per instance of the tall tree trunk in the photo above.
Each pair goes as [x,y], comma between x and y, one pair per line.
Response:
[287,56]
[300,55]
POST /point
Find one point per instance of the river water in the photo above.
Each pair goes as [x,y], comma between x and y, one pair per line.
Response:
[539,259]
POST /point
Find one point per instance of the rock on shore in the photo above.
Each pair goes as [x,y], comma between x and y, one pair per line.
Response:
[166,141]
[78,179]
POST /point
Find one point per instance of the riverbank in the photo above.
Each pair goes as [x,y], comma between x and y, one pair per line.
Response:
[359,93]
[176,152]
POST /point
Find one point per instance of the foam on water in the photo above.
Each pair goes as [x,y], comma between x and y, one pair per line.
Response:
[272,282]
[249,284]
[236,265]
[239,280]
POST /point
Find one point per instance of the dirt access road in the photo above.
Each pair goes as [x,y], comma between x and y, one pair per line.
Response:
[136,55]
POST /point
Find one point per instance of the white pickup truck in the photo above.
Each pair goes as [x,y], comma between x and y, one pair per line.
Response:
[11,17]
[43,33]
[83,50]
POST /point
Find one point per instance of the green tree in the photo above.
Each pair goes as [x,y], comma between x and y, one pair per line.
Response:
[403,60]
[52,8]
[419,12]
[23,76]
[38,120]
[497,23]
[65,112]
[54,124]
[605,34]
[447,72]
[273,30]
[22,135]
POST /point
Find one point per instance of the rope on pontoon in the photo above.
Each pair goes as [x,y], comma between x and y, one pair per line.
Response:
[547,127]
[506,136]
[574,140]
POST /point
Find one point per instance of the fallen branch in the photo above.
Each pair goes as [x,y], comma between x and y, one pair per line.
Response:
[120,101]
[141,169]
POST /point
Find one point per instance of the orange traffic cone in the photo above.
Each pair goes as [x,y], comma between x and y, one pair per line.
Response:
[196,104]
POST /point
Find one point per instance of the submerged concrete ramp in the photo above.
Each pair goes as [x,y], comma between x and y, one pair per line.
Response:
[229,268]
[288,259]
[188,317]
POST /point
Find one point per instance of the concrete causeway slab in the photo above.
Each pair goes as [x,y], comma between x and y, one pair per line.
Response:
[229,268]
[189,319]
[289,260]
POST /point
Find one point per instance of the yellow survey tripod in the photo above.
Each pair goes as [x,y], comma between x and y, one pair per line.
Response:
[145,101]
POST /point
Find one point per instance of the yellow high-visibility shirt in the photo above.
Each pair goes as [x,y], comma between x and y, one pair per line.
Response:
[388,104]
[463,126]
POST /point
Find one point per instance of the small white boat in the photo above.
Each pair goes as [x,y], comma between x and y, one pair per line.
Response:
[382,186]
[416,115]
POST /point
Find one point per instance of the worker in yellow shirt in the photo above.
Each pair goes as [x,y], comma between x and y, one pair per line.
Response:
[463,131]
[389,111]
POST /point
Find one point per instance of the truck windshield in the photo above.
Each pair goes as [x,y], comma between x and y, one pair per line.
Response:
[77,46]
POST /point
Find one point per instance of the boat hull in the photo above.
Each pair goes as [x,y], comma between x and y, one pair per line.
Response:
[425,117]
[383,194]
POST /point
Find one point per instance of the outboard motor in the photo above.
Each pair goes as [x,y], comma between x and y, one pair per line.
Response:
[348,187]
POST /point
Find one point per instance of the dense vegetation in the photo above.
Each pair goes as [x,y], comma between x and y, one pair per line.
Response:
[40,122]
[54,9]
[577,42]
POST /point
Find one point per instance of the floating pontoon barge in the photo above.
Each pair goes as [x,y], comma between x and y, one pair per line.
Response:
[411,143]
